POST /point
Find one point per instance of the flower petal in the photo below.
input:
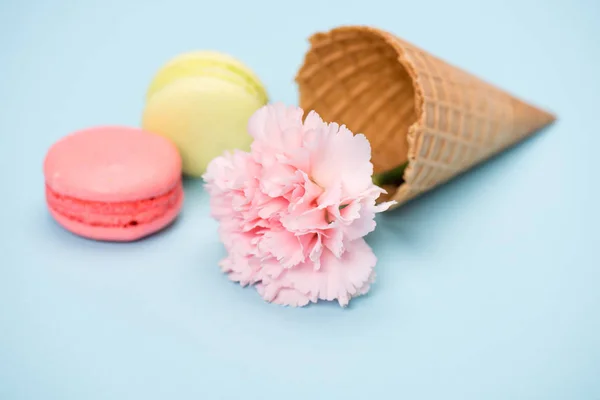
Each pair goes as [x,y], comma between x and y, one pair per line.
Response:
[345,157]
[277,180]
[334,241]
[331,196]
[308,221]
[338,279]
[240,269]
[361,226]
[284,296]
[272,207]
[313,121]
[268,124]
[284,246]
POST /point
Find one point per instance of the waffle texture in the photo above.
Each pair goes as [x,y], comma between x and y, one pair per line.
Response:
[411,105]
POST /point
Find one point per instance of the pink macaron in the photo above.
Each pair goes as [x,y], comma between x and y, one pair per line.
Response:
[113,183]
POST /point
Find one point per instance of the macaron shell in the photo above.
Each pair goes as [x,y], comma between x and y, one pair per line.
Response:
[112,164]
[203,116]
[119,234]
[208,63]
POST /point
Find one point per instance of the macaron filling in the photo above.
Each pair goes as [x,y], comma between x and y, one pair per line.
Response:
[126,214]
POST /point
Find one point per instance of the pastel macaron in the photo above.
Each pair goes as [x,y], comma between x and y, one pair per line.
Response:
[202,102]
[113,183]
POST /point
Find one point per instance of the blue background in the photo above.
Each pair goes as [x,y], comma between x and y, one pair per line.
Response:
[488,287]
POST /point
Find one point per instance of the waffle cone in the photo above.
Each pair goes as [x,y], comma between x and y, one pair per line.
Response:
[412,106]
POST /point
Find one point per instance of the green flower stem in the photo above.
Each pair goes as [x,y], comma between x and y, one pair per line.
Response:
[393,176]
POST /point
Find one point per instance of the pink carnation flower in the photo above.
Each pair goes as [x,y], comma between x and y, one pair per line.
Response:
[293,212]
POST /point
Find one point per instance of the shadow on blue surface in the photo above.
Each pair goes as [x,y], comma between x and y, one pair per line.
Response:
[421,226]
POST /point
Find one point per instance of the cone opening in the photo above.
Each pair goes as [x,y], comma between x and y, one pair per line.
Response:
[354,76]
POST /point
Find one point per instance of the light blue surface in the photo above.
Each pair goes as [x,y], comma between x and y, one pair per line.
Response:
[489,288]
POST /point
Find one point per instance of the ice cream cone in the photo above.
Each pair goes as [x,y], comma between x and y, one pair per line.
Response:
[412,106]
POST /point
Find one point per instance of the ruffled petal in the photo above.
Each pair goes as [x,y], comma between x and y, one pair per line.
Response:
[338,279]
[284,246]
[244,270]
[276,126]
[334,241]
[283,296]
[308,221]
[343,157]
[277,180]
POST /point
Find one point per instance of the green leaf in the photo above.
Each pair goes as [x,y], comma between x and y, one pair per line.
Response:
[393,176]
